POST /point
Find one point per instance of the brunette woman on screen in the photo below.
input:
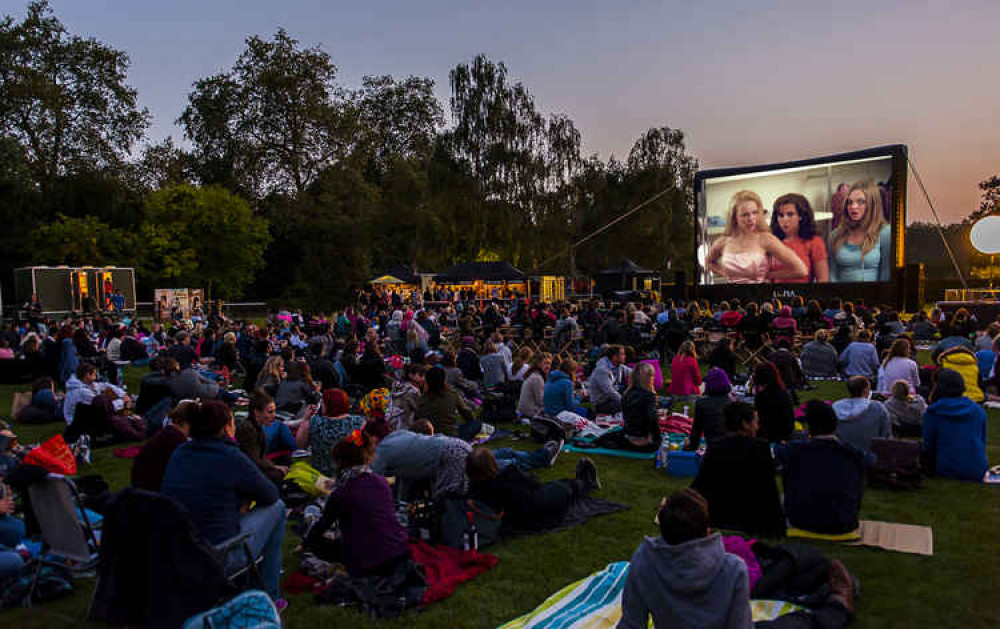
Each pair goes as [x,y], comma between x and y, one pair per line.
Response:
[861,246]
[744,252]
[794,225]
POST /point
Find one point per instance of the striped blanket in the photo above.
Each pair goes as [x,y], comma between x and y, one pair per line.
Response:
[596,603]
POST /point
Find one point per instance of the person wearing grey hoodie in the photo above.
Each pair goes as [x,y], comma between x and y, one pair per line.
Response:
[861,419]
[607,380]
[684,578]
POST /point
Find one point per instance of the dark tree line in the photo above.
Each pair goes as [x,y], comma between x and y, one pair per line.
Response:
[290,186]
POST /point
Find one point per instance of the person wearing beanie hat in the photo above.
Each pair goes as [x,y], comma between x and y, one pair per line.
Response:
[954,430]
[708,410]
[214,480]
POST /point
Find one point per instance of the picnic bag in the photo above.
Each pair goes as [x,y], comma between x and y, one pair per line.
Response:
[454,520]
[308,478]
[545,429]
[19,400]
[897,464]
[249,609]
[53,456]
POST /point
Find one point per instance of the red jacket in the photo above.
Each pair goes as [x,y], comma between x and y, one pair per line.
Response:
[685,377]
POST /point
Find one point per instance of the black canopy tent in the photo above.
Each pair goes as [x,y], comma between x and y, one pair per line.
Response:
[627,276]
[481,276]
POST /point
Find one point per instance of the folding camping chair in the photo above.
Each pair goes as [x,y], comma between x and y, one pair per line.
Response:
[754,356]
[710,340]
[66,529]
[135,513]
[572,345]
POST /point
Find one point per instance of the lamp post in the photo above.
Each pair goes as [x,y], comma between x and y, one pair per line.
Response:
[985,237]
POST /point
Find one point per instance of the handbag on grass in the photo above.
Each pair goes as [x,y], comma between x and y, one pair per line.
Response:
[454,520]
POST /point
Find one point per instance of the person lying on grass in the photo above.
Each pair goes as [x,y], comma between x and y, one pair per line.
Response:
[685,579]
[422,462]
[525,501]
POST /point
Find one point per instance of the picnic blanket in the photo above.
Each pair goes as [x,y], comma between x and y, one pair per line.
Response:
[625,454]
[595,602]
[902,538]
[675,423]
[581,511]
[445,567]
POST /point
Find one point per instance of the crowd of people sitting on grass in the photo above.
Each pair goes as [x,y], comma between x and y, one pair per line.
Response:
[233,413]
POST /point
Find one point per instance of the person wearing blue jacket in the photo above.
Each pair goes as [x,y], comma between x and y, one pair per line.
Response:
[954,430]
[214,480]
[559,394]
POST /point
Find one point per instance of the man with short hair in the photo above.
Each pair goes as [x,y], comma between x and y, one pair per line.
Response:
[860,358]
[182,351]
[861,419]
[216,481]
[823,477]
[83,387]
[607,381]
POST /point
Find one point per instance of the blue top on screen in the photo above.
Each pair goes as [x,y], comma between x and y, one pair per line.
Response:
[848,265]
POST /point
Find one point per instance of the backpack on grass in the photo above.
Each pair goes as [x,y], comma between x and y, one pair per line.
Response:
[897,464]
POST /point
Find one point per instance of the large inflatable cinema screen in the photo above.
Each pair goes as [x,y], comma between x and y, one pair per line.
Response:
[835,219]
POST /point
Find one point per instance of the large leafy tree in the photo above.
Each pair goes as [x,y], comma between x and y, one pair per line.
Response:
[498,131]
[204,236]
[64,98]
[396,119]
[81,241]
[273,122]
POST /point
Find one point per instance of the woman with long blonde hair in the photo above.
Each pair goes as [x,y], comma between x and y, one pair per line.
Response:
[746,250]
[271,374]
[861,246]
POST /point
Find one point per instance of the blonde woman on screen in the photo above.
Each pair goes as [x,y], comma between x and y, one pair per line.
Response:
[861,246]
[744,252]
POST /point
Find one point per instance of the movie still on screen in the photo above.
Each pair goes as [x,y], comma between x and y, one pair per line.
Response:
[814,222]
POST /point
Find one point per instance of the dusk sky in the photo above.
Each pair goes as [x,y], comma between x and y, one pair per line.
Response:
[748,82]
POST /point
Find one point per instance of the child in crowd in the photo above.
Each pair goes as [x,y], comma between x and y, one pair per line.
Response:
[906,410]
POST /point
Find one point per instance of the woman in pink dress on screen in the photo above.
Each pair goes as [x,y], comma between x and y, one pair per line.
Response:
[744,252]
[793,223]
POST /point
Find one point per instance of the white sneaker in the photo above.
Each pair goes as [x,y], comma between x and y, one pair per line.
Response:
[554,448]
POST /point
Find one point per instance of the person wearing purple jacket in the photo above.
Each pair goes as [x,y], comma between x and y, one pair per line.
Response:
[372,541]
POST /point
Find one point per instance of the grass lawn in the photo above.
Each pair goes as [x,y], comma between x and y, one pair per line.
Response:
[954,588]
